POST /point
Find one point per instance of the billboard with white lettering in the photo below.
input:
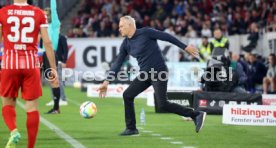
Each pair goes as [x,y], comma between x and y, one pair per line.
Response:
[90,54]
[114,91]
[259,115]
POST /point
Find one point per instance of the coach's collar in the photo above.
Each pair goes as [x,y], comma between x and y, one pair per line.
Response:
[21,4]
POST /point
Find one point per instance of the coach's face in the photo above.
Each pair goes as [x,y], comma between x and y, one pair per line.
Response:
[124,27]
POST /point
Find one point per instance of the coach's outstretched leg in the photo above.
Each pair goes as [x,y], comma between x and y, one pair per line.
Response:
[199,120]
[160,88]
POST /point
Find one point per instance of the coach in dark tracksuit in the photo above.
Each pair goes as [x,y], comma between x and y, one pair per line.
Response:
[142,44]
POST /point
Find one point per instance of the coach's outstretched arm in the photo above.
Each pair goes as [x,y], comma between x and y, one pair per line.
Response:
[51,55]
[113,70]
[163,36]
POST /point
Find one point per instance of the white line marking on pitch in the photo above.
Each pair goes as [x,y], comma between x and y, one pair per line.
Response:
[74,102]
[157,135]
[166,138]
[147,131]
[188,147]
[176,142]
[58,131]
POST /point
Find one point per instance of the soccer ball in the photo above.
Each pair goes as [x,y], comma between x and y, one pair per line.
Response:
[88,109]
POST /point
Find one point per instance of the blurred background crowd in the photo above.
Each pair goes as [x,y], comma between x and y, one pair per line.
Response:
[188,18]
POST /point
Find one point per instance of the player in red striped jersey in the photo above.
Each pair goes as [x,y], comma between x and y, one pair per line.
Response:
[20,25]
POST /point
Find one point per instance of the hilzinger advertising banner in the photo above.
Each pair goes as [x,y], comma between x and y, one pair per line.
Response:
[257,115]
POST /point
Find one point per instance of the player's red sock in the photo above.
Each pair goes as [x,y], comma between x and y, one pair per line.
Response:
[32,126]
[9,115]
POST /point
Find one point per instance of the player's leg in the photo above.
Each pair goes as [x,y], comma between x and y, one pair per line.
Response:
[62,100]
[135,88]
[9,116]
[10,82]
[55,88]
[32,122]
[9,113]
[31,82]
[160,89]
[45,69]
[56,94]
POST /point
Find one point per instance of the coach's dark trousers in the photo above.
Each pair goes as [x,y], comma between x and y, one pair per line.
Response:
[142,82]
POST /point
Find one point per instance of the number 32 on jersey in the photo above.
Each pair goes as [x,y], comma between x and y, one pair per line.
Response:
[18,36]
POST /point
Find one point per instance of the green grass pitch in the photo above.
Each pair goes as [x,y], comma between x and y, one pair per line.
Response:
[102,131]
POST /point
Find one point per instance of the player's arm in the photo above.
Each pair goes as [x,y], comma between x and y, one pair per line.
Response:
[164,36]
[48,47]
[113,70]
[50,55]
[38,38]
[0,33]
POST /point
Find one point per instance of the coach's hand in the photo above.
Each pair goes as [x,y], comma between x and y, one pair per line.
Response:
[192,50]
[103,89]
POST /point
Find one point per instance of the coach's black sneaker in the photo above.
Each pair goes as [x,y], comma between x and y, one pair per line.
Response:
[53,111]
[129,132]
[199,120]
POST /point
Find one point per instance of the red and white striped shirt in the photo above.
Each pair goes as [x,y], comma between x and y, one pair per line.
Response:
[20,27]
[13,59]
